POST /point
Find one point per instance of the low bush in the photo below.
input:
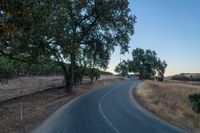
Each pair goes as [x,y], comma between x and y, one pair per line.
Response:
[195,101]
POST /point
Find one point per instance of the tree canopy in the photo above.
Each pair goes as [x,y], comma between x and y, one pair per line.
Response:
[59,29]
[122,68]
[145,63]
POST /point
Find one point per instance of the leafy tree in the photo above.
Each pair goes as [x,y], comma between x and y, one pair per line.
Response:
[91,58]
[22,30]
[46,29]
[96,57]
[122,68]
[138,61]
[147,64]
[90,24]
[161,67]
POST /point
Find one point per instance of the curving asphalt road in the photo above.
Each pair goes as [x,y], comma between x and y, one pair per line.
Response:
[110,109]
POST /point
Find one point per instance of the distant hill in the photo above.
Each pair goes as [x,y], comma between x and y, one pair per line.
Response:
[186,77]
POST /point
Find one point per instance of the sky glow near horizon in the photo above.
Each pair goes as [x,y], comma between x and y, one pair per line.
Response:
[171,28]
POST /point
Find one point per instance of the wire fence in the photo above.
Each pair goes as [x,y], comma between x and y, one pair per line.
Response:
[25,85]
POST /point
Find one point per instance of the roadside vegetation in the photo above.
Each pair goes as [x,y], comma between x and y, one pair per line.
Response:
[82,34]
[72,38]
[195,101]
[176,99]
[13,69]
[186,77]
[76,39]
[170,101]
[192,77]
[145,64]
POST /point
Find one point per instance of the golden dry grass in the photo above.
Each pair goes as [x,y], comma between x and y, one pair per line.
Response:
[169,100]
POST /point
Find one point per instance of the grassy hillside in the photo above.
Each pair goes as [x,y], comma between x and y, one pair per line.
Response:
[186,77]
[169,100]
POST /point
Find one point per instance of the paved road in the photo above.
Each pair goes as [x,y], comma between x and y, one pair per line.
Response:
[110,109]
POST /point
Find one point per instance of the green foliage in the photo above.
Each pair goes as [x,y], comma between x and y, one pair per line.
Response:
[92,73]
[22,30]
[11,68]
[96,26]
[45,29]
[122,68]
[105,72]
[161,66]
[6,65]
[93,56]
[195,101]
[147,64]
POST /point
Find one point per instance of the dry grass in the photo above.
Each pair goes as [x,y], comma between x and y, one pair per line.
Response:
[26,85]
[169,100]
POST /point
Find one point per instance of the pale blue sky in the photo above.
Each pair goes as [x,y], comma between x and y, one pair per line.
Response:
[171,28]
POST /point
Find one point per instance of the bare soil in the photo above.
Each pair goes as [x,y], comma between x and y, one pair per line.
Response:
[39,106]
[169,100]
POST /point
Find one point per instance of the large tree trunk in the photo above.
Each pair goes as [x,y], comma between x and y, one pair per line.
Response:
[68,85]
[70,75]
[66,75]
[91,79]
[92,73]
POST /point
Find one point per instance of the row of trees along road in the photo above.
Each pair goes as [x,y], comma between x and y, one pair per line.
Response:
[145,63]
[78,32]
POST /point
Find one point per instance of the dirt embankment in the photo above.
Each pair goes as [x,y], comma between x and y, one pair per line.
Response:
[39,106]
[31,84]
[169,100]
[27,85]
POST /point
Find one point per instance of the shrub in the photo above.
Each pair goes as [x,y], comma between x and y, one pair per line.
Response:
[195,101]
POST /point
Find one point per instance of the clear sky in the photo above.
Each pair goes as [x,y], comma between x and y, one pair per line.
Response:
[171,28]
